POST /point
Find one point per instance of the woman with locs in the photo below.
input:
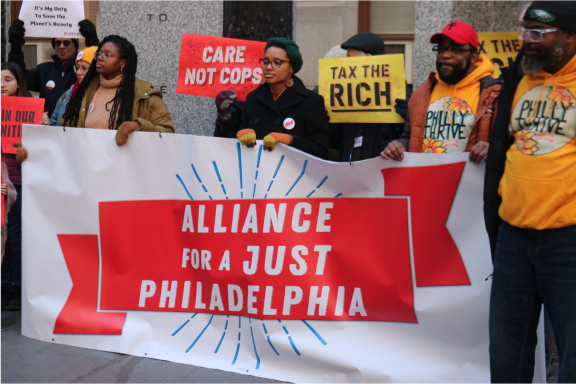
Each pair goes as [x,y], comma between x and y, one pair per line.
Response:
[111,96]
[281,110]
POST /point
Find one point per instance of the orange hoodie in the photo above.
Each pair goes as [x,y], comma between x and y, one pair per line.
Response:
[452,111]
[538,188]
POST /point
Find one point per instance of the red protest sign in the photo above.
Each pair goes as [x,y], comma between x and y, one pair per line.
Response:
[209,65]
[15,112]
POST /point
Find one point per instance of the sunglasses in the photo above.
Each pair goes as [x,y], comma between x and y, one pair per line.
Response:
[58,43]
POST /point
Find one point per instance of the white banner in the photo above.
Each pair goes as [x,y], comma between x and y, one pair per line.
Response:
[104,228]
[55,18]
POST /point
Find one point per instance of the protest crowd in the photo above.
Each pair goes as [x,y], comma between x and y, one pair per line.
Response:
[529,188]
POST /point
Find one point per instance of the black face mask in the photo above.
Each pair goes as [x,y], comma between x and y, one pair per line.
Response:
[457,75]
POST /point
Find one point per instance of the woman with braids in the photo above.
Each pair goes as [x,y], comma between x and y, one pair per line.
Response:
[281,110]
[112,97]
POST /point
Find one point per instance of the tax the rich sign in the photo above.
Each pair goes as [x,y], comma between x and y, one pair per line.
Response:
[15,112]
[362,89]
[500,47]
[209,65]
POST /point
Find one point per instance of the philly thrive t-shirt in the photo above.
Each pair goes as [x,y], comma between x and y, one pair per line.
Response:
[452,110]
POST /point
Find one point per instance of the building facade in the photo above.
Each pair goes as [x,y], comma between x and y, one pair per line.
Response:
[156,30]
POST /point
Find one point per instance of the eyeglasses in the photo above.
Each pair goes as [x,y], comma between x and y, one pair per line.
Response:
[7,80]
[58,43]
[276,63]
[453,49]
[84,68]
[535,35]
[105,56]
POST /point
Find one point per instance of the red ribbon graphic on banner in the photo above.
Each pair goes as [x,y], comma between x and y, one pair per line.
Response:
[311,259]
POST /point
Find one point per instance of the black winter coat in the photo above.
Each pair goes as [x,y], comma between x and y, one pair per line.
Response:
[500,141]
[264,115]
[36,79]
[375,137]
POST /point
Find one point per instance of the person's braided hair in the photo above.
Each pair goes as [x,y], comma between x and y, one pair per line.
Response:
[123,101]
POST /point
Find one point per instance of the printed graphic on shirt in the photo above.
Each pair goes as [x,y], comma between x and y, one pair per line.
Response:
[449,122]
[548,124]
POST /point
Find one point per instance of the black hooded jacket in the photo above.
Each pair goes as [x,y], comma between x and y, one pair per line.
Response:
[500,141]
[63,77]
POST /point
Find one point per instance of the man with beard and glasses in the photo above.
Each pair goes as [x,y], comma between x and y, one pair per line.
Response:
[530,197]
[453,110]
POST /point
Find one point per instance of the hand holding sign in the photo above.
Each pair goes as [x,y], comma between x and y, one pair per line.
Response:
[88,30]
[247,137]
[224,101]
[16,33]
[272,139]
[401,107]
[125,129]
[21,152]
[394,150]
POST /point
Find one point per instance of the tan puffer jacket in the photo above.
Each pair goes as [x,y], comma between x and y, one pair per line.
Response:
[149,109]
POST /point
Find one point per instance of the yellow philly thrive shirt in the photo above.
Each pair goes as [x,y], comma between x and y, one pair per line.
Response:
[452,110]
[538,188]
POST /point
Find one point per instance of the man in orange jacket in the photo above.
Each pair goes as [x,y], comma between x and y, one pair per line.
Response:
[453,110]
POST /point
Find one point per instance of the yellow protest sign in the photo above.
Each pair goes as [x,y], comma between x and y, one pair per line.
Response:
[362,89]
[500,47]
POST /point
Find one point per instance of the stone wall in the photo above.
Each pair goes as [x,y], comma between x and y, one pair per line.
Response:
[322,25]
[432,16]
[155,28]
